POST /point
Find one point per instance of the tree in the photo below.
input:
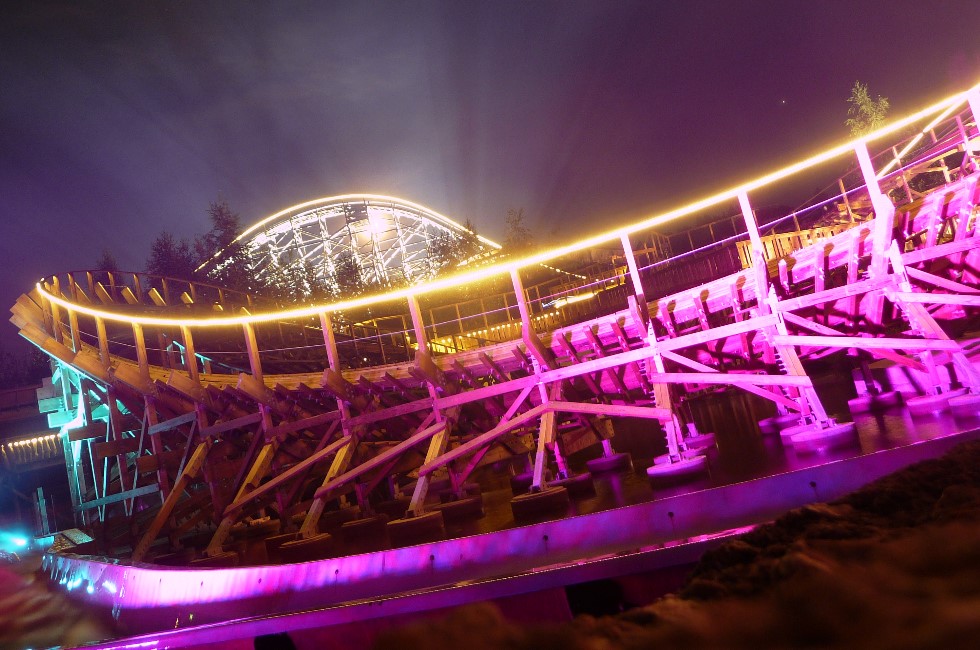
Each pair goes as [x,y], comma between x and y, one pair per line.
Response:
[23,370]
[450,250]
[107,262]
[171,258]
[865,114]
[347,275]
[233,267]
[518,239]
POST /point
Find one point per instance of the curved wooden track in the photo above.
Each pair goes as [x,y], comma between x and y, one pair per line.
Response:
[187,439]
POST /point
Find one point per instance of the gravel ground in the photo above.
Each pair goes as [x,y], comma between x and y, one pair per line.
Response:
[895,564]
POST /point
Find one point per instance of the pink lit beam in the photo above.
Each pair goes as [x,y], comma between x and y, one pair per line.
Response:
[937,298]
[694,365]
[940,250]
[617,410]
[862,343]
[832,295]
[937,281]
[882,353]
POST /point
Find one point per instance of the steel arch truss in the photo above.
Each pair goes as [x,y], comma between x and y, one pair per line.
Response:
[387,237]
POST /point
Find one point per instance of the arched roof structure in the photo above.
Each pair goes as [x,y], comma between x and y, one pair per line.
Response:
[385,235]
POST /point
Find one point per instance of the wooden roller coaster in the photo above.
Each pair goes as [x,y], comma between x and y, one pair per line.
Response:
[200,423]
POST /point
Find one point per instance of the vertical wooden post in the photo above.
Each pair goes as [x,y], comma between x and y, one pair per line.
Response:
[144,364]
[76,334]
[843,195]
[634,270]
[515,276]
[905,182]
[252,346]
[760,271]
[884,214]
[417,325]
[882,234]
[138,286]
[343,456]
[103,342]
[116,427]
[438,442]
[56,310]
[190,356]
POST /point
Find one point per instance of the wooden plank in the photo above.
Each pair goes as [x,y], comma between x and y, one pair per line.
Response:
[230,425]
[128,296]
[103,295]
[391,412]
[103,450]
[775,397]
[117,497]
[613,410]
[863,343]
[286,428]
[88,432]
[484,439]
[172,423]
[156,297]
[380,459]
[937,298]
[296,470]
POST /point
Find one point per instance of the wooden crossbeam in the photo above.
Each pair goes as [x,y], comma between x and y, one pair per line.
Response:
[390,412]
[503,428]
[230,425]
[942,283]
[421,436]
[286,428]
[881,353]
[613,410]
[775,397]
[937,298]
[172,423]
[865,343]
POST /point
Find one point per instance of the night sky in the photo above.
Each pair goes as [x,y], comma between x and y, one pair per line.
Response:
[122,119]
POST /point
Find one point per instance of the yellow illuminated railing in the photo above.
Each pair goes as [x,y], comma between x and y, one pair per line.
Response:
[943,108]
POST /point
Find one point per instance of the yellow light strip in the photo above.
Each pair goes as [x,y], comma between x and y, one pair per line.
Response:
[507,266]
[901,154]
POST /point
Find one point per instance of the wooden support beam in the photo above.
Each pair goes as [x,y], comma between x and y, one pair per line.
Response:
[937,281]
[760,272]
[190,356]
[190,472]
[172,423]
[419,437]
[865,343]
[504,427]
[252,346]
[880,353]
[141,358]
[769,395]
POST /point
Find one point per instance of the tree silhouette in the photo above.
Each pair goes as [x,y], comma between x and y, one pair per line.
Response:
[518,239]
[450,250]
[232,268]
[865,114]
[171,258]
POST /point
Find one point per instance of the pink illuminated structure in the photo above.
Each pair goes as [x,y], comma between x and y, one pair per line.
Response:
[200,424]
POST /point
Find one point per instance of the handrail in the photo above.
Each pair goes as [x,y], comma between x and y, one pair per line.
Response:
[507,267]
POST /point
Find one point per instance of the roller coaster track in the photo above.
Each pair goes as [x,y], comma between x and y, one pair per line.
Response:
[196,417]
